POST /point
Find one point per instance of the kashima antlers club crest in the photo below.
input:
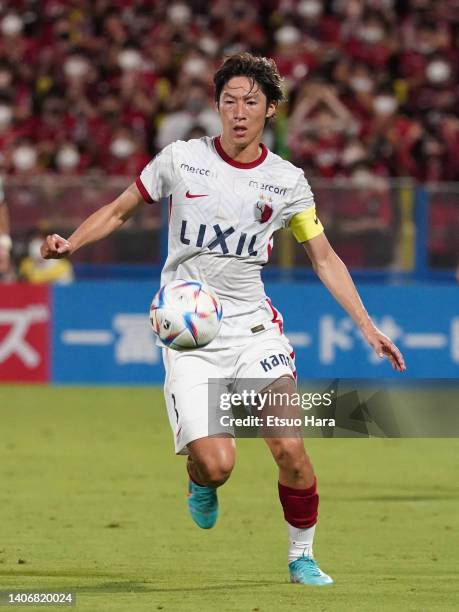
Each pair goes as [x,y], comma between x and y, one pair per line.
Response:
[263,208]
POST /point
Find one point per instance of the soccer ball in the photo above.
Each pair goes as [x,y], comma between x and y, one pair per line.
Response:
[185,314]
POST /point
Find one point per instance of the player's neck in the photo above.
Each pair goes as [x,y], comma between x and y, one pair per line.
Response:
[242,154]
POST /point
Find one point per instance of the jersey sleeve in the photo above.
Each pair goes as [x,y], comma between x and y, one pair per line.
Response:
[300,213]
[157,178]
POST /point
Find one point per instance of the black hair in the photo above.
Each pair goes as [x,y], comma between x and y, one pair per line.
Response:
[260,70]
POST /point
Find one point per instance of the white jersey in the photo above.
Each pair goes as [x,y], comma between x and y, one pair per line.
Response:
[222,217]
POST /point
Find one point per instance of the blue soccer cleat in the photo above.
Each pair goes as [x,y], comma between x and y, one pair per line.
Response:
[203,505]
[306,571]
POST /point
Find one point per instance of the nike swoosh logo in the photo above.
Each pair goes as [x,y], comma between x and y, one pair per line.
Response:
[196,195]
[316,220]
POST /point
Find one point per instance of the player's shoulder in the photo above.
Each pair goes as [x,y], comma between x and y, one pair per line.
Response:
[276,164]
[193,146]
[194,156]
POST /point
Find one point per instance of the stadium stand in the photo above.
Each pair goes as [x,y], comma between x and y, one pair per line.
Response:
[97,88]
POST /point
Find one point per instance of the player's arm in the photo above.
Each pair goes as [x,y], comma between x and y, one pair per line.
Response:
[97,226]
[335,276]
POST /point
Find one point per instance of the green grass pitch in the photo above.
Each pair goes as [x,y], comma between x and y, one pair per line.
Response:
[92,500]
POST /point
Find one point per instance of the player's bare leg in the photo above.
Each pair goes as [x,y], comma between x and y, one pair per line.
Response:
[211,460]
[209,466]
[297,493]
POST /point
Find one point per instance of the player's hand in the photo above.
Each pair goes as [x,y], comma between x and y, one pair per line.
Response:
[55,247]
[384,347]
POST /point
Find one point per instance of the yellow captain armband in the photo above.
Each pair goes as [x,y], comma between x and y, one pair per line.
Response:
[305,225]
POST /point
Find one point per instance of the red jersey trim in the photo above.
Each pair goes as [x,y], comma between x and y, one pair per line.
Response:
[277,318]
[141,187]
[237,164]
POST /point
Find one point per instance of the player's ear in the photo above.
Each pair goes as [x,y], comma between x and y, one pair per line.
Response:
[271,109]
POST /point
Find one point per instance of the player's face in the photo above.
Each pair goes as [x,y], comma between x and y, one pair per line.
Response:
[243,111]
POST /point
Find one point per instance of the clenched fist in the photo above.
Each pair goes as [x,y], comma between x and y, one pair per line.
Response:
[55,247]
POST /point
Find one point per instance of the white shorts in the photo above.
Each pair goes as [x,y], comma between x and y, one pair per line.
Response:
[264,357]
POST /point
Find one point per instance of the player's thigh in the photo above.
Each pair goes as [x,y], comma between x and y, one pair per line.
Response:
[267,367]
[193,380]
[265,359]
[284,436]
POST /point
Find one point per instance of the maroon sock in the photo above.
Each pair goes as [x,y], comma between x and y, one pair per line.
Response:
[300,505]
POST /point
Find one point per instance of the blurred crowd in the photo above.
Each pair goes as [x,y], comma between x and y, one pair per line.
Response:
[96,88]
[100,86]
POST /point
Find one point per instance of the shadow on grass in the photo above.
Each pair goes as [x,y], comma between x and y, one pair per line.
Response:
[60,574]
[136,587]
[128,586]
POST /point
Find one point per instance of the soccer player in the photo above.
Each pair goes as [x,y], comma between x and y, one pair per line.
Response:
[227,197]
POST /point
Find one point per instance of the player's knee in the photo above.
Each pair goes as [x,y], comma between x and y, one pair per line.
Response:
[216,473]
[214,460]
[218,478]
